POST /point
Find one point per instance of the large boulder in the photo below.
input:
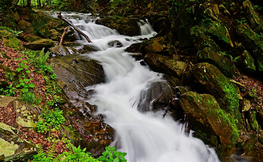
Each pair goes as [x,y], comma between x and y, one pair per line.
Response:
[165,64]
[25,26]
[154,45]
[252,16]
[76,72]
[123,25]
[204,112]
[156,97]
[252,42]
[219,86]
[216,58]
[39,44]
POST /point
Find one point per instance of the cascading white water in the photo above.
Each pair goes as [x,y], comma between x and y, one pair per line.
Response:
[145,137]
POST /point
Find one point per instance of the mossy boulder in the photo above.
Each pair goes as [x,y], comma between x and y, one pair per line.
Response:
[218,85]
[46,26]
[204,112]
[154,45]
[165,64]
[252,16]
[220,34]
[248,62]
[226,66]
[10,40]
[39,44]
[251,41]
[25,26]
[123,25]
[202,40]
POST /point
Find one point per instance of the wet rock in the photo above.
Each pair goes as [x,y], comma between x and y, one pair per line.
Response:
[154,46]
[204,112]
[156,97]
[12,146]
[123,25]
[115,43]
[83,49]
[76,72]
[218,85]
[134,48]
[216,58]
[165,64]
[59,50]
[39,44]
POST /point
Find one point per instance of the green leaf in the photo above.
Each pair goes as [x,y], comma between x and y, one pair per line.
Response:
[31,85]
[24,90]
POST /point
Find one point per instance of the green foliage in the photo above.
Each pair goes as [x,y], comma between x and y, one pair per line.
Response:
[14,32]
[52,119]
[30,98]
[111,155]
[55,101]
[42,58]
[9,91]
[25,85]
[75,154]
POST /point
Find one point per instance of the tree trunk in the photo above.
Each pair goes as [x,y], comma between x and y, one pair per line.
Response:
[28,3]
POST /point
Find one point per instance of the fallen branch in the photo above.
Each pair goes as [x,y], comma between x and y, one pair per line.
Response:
[75,28]
[62,37]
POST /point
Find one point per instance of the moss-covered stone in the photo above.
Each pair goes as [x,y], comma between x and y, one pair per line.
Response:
[39,44]
[216,58]
[219,86]
[10,40]
[221,33]
[123,25]
[252,16]
[248,62]
[154,46]
[253,121]
[202,40]
[165,64]
[204,112]
[25,26]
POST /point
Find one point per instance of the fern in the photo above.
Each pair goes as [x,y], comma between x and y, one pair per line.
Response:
[42,58]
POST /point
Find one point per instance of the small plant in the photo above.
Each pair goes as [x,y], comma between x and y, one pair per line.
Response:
[42,58]
[9,91]
[25,85]
[15,33]
[111,155]
[52,119]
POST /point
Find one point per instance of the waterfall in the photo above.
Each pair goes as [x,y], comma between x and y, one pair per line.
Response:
[145,137]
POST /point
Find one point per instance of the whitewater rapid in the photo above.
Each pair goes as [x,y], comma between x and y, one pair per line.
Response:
[145,137]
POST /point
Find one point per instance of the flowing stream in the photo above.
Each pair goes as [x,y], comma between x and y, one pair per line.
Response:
[145,137]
